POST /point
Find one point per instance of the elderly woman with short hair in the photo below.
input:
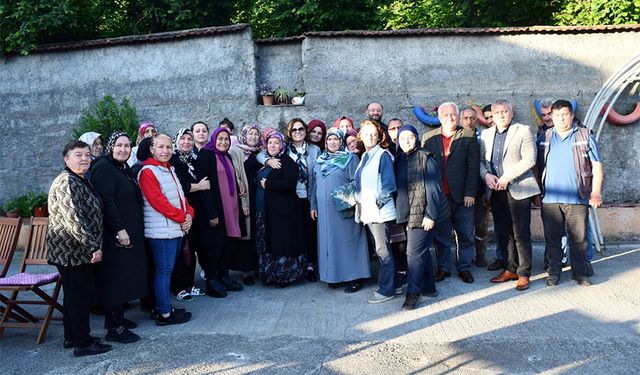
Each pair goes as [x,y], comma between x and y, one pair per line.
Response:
[74,240]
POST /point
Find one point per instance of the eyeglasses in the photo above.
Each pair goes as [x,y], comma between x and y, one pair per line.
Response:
[293,130]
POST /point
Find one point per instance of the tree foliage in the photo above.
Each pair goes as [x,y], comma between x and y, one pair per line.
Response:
[106,116]
[27,23]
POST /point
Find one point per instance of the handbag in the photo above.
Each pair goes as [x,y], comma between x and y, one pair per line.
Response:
[344,197]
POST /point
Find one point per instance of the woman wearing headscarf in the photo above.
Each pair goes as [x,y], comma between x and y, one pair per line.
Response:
[122,275]
[281,253]
[95,143]
[219,222]
[167,218]
[74,241]
[420,205]
[342,243]
[183,160]
[304,154]
[317,133]
[375,184]
[353,143]
[344,123]
[245,259]
[147,129]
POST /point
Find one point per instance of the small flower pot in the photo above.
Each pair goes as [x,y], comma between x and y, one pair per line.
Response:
[297,100]
[13,214]
[40,211]
[267,99]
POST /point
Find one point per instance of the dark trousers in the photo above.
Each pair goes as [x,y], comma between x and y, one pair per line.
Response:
[387,277]
[77,288]
[512,221]
[310,231]
[114,316]
[461,223]
[555,218]
[481,216]
[419,264]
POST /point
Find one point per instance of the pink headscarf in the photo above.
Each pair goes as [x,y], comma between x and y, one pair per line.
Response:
[143,127]
[337,123]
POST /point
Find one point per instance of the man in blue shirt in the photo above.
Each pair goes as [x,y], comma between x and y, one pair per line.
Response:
[571,179]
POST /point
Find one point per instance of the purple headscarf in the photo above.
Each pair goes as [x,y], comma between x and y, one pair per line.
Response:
[283,144]
[224,157]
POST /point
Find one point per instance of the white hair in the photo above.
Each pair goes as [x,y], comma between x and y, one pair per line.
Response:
[448,104]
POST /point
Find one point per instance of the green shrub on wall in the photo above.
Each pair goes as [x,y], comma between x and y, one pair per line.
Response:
[106,116]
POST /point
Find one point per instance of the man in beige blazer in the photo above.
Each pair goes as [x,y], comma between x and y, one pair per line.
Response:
[508,154]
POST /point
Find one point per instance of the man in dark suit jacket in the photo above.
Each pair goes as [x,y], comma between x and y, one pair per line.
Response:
[457,153]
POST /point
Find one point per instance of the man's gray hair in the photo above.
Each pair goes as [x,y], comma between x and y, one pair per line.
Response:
[501,102]
[463,110]
[547,102]
[446,104]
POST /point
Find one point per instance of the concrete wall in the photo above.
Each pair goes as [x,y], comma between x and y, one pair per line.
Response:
[178,81]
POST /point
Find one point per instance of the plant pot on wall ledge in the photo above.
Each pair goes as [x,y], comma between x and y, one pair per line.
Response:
[40,211]
[13,214]
[267,99]
[297,100]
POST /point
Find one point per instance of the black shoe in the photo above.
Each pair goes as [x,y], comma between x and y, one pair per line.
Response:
[311,276]
[333,285]
[248,279]
[353,287]
[411,302]
[499,264]
[431,294]
[480,261]
[441,275]
[155,313]
[68,344]
[230,285]
[466,276]
[121,335]
[97,310]
[173,318]
[94,348]
[552,280]
[283,285]
[582,280]
[215,289]
[589,269]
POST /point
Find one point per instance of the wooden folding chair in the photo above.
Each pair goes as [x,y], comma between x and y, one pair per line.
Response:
[34,254]
[9,233]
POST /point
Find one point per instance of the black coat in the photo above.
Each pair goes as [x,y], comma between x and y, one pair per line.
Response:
[283,223]
[122,274]
[209,203]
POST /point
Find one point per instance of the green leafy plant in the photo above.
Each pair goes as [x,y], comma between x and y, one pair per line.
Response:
[265,90]
[106,116]
[298,94]
[20,204]
[37,199]
[281,95]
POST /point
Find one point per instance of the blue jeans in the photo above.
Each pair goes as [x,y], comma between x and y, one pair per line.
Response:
[381,233]
[419,265]
[463,223]
[164,257]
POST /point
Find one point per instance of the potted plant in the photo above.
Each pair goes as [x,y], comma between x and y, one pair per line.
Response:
[39,203]
[298,97]
[267,94]
[281,95]
[11,208]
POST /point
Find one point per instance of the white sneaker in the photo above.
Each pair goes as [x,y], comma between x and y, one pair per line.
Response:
[184,296]
[379,298]
[196,291]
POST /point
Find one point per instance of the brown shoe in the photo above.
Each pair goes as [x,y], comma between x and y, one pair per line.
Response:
[504,276]
[523,283]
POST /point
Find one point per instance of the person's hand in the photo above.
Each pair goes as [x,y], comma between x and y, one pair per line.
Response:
[213,222]
[502,184]
[203,184]
[96,256]
[123,237]
[263,182]
[246,211]
[537,201]
[274,163]
[595,199]
[186,225]
[242,191]
[314,214]
[491,181]
[469,201]
[427,224]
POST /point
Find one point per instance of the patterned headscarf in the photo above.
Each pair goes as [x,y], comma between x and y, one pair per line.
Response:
[242,141]
[265,135]
[283,144]
[224,157]
[112,140]
[186,158]
[143,127]
[332,161]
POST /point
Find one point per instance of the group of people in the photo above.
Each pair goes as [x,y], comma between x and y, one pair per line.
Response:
[308,203]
